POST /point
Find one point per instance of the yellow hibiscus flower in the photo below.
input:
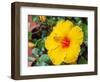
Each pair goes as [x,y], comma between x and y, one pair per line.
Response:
[63,43]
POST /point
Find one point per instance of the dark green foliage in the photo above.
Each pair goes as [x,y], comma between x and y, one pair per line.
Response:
[29,35]
[81,60]
[43,60]
[35,19]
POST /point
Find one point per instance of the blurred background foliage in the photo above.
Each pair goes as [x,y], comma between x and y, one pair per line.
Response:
[39,27]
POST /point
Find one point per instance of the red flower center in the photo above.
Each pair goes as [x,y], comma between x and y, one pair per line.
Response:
[65,42]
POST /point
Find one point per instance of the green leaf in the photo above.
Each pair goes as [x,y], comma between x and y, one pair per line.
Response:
[85,30]
[34,40]
[44,33]
[32,59]
[40,44]
[35,18]
[82,60]
[51,21]
[69,18]
[82,50]
[41,64]
[29,35]
[77,19]
[61,18]
[43,60]
[35,52]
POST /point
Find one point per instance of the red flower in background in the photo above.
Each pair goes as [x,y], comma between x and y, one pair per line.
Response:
[29,51]
[31,24]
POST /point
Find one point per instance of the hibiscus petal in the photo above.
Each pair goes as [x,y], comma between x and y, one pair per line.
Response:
[76,34]
[63,28]
[57,55]
[50,42]
[72,53]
